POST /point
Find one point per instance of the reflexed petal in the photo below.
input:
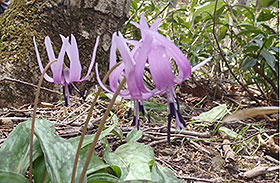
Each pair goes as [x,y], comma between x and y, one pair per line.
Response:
[143,22]
[57,66]
[155,25]
[160,68]
[75,65]
[201,64]
[181,60]
[47,77]
[92,59]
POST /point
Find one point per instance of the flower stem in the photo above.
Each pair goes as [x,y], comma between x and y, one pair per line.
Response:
[101,126]
[87,121]
[33,117]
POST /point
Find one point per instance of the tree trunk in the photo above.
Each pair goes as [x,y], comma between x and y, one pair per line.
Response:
[27,18]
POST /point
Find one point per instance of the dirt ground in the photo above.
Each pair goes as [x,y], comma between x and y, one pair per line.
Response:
[198,153]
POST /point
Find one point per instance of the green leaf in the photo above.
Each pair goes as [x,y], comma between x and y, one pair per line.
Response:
[193,4]
[102,178]
[155,106]
[11,177]
[164,175]
[265,15]
[133,159]
[270,58]
[246,64]
[229,132]
[58,152]
[207,8]
[214,114]
[265,3]
[40,171]
[14,153]
[118,132]
[134,135]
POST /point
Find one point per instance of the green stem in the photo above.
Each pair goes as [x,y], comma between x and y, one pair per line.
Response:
[87,121]
[33,117]
[100,130]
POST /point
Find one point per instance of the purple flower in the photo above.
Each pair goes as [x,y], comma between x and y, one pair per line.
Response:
[154,53]
[62,74]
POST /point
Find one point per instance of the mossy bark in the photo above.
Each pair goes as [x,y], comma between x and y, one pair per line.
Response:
[24,19]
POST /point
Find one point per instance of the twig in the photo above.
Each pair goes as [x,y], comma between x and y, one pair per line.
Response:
[33,117]
[260,170]
[29,84]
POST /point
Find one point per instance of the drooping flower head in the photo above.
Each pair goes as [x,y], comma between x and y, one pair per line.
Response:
[155,53]
[62,74]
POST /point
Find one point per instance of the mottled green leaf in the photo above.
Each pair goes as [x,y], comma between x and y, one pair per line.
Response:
[102,178]
[14,153]
[11,177]
[164,175]
[134,135]
[133,159]
[40,171]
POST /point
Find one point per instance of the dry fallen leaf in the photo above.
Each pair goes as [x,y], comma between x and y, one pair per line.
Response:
[252,112]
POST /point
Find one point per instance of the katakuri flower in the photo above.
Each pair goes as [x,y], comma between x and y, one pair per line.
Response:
[160,53]
[62,74]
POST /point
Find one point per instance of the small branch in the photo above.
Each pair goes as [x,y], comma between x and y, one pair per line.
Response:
[28,84]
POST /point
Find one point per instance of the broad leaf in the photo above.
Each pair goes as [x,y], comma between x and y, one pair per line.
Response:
[133,159]
[14,153]
[247,64]
[40,171]
[207,8]
[270,58]
[134,135]
[164,175]
[58,152]
[214,114]
[265,3]
[11,177]
[102,178]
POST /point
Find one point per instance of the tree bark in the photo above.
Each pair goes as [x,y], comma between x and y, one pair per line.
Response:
[86,19]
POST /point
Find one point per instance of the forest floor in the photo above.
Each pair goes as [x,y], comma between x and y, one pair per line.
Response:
[198,153]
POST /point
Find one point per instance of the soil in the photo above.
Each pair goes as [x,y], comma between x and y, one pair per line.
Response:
[192,157]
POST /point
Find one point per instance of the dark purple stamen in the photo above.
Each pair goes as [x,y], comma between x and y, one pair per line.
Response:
[149,118]
[65,97]
[169,128]
[141,108]
[134,121]
[181,119]
[81,93]
[178,104]
[129,113]
[172,110]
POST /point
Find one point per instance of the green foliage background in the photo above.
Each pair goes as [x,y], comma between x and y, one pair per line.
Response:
[248,38]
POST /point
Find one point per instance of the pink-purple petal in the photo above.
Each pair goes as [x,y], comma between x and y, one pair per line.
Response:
[47,77]
[92,59]
[75,65]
